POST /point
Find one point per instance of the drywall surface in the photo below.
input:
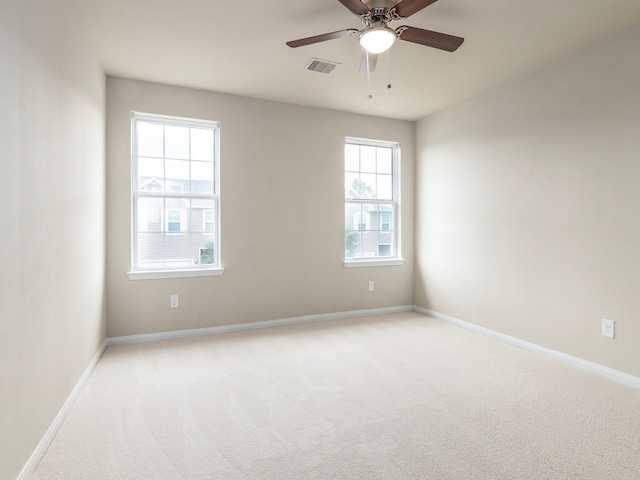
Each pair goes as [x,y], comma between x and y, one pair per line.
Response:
[282,214]
[52,315]
[527,206]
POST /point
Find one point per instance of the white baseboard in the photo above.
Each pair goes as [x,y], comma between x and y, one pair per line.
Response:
[197,332]
[46,440]
[584,365]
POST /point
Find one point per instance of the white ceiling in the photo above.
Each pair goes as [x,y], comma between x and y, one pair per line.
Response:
[238,47]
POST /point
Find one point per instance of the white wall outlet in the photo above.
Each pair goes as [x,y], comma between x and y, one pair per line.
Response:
[608,328]
[371,285]
[174,301]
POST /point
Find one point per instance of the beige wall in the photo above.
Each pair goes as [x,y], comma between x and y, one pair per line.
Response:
[282,214]
[52,316]
[528,201]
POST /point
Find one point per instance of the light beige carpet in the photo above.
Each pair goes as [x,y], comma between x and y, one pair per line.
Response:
[391,397]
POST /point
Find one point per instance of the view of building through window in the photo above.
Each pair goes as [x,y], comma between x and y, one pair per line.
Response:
[174,186]
[371,199]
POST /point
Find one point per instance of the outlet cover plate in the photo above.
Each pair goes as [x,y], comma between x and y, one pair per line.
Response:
[608,328]
[174,301]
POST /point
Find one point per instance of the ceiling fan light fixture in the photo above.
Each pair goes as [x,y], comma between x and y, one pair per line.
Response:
[377,39]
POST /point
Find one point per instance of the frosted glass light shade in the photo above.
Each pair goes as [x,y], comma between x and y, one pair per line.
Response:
[377,39]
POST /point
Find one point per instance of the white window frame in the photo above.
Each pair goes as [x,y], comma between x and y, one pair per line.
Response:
[195,270]
[395,227]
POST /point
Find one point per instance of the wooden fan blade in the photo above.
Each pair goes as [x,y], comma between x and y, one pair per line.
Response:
[429,38]
[356,6]
[321,38]
[406,8]
[373,59]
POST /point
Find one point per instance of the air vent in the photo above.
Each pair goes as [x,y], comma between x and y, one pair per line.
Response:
[322,66]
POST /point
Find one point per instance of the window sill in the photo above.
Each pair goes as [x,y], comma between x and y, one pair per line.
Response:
[373,263]
[157,274]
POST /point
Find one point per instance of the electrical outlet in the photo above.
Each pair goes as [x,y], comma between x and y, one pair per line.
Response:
[174,301]
[608,328]
[371,285]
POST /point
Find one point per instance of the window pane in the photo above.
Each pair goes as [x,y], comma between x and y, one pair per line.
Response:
[368,239]
[351,212]
[203,250]
[203,217]
[177,251]
[151,250]
[173,220]
[385,211]
[351,185]
[367,186]
[150,139]
[352,158]
[384,160]
[385,221]
[150,214]
[177,215]
[177,170]
[202,144]
[352,243]
[367,159]
[176,141]
[353,220]
[201,177]
[386,235]
[356,217]
[150,174]
[384,187]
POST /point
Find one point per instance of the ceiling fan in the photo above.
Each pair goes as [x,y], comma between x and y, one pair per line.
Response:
[377,36]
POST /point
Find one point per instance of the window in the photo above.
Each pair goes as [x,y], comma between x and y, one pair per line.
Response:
[175,199]
[371,203]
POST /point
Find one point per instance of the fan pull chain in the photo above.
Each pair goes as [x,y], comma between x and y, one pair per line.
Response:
[368,75]
[389,65]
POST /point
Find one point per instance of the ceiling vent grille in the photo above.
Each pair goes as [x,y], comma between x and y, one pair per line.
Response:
[322,66]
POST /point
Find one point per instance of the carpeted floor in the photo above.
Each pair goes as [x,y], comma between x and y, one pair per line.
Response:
[391,397]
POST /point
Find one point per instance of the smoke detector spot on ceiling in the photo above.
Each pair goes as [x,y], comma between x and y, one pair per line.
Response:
[322,66]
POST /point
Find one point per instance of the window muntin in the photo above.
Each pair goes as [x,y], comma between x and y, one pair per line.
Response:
[174,194]
[371,200]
